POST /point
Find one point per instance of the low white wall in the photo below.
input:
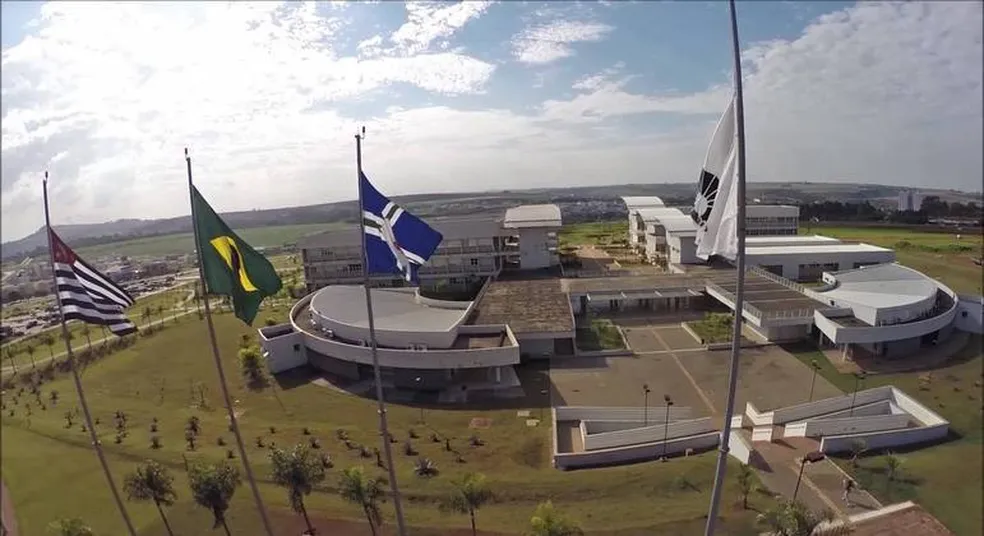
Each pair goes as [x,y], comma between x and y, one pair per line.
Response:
[738,448]
[647,434]
[762,433]
[921,413]
[600,427]
[885,440]
[634,453]
[882,407]
[757,418]
[283,351]
[855,425]
[619,414]
[970,314]
[795,430]
[830,405]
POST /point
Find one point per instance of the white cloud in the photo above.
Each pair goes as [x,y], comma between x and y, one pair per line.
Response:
[430,21]
[106,96]
[545,43]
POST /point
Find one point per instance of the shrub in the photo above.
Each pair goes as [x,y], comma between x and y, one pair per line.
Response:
[259,442]
[270,321]
[425,467]
[341,434]
[153,427]
[190,438]
[118,439]
[364,452]
[251,365]
[220,441]
[475,441]
[155,442]
[408,449]
[315,443]
[326,461]
[434,438]
[273,430]
[230,454]
[194,425]
[306,431]
[412,434]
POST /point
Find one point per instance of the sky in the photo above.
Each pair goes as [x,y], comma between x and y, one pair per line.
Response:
[468,96]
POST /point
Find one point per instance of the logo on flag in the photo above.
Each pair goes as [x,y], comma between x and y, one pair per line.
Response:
[396,240]
[715,209]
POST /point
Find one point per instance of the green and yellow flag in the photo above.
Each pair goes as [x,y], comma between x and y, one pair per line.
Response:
[232,268]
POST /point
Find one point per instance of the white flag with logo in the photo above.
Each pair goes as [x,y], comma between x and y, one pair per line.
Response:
[716,204]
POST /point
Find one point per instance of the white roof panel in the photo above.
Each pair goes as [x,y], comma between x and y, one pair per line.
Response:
[392,309]
[881,286]
[533,216]
[634,202]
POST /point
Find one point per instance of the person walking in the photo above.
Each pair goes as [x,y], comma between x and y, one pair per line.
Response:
[848,488]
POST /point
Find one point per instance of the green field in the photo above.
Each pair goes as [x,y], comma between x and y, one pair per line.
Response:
[51,473]
[938,255]
[602,335]
[595,233]
[714,327]
[945,479]
[177,244]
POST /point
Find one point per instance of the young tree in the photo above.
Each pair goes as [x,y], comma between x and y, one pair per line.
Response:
[470,493]
[9,354]
[49,341]
[858,447]
[251,364]
[30,349]
[548,522]
[746,482]
[152,482]
[85,333]
[357,487]
[145,315]
[70,527]
[789,518]
[160,312]
[298,471]
[892,464]
[212,487]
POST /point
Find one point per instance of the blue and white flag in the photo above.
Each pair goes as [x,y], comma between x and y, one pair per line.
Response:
[396,241]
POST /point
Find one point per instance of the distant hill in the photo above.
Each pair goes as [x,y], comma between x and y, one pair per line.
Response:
[607,197]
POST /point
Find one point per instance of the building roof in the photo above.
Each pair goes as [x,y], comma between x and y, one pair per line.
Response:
[881,285]
[528,306]
[392,309]
[800,240]
[452,228]
[651,214]
[763,211]
[814,249]
[532,216]
[634,202]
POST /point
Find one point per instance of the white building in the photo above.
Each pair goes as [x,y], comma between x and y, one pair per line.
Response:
[473,247]
[909,201]
[637,222]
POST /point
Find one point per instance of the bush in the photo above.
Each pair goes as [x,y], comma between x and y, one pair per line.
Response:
[230,454]
[155,442]
[435,438]
[408,449]
[341,434]
[315,443]
[306,431]
[153,427]
[475,441]
[425,467]
[273,430]
[270,321]
[412,434]
[326,461]
[365,452]
[259,442]
[251,365]
[194,425]
[220,441]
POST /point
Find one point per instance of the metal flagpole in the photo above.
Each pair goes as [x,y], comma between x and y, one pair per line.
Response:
[397,504]
[722,460]
[218,361]
[75,372]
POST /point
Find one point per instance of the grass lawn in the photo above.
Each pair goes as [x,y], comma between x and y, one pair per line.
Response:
[945,478]
[51,473]
[602,335]
[180,243]
[596,233]
[938,255]
[714,327]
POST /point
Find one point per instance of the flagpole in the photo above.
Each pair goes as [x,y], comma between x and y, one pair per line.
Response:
[722,461]
[218,361]
[373,350]
[75,373]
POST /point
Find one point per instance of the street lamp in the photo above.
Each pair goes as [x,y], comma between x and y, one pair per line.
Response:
[666,423]
[645,405]
[799,477]
[545,393]
[858,378]
[816,367]
[422,421]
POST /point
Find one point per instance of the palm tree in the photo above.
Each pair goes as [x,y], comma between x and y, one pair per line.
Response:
[85,332]
[152,482]
[49,341]
[30,353]
[146,315]
[789,518]
[892,464]
[213,487]
[160,312]
[70,527]
[547,522]
[357,487]
[9,354]
[745,483]
[298,471]
[470,493]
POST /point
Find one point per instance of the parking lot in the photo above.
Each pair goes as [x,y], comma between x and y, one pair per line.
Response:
[672,363]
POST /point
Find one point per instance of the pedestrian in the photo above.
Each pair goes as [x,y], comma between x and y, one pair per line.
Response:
[848,488]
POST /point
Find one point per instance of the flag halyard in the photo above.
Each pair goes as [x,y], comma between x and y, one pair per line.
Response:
[396,240]
[86,294]
[231,266]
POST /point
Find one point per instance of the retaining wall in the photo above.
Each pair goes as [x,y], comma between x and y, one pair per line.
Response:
[634,453]
[757,418]
[853,425]
[738,448]
[619,414]
[647,434]
[920,412]
[830,405]
[883,440]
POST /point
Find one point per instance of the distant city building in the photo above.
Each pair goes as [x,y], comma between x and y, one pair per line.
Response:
[909,201]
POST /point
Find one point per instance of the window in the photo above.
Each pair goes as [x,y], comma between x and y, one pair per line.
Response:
[474,262]
[453,280]
[297,347]
[356,267]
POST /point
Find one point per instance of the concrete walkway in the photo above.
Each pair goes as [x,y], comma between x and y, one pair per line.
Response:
[9,521]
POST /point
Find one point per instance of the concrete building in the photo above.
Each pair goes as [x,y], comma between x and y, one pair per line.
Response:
[771,220]
[637,222]
[473,248]
[909,201]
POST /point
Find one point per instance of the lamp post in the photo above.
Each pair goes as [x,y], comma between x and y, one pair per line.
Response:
[799,477]
[546,399]
[422,421]
[858,378]
[645,405]
[816,367]
[666,424]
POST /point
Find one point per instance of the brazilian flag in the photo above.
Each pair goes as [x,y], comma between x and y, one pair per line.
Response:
[232,268]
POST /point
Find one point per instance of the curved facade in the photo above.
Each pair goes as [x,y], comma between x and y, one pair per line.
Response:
[422,343]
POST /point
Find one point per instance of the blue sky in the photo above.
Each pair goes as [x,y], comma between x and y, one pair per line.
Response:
[469,96]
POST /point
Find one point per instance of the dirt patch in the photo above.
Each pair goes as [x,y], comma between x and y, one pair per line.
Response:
[480,423]
[289,523]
